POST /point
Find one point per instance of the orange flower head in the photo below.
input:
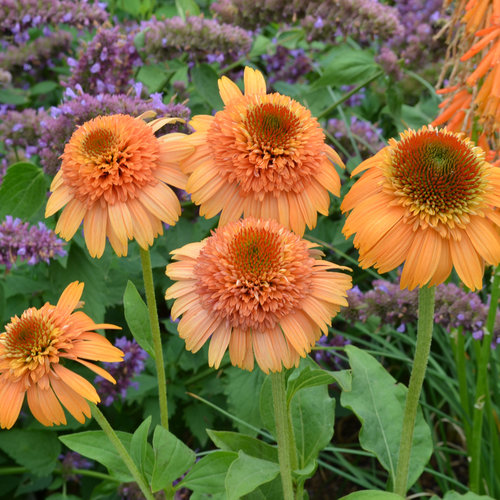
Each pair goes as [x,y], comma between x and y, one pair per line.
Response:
[428,200]
[258,288]
[264,156]
[32,349]
[114,177]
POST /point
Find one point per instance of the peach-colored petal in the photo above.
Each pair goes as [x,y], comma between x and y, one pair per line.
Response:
[228,90]
[94,229]
[219,343]
[254,81]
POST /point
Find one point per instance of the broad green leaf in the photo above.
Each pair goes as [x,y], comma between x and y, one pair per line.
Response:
[344,379]
[372,495]
[209,474]
[139,444]
[205,81]
[35,450]
[308,377]
[13,96]
[30,483]
[154,76]
[43,87]
[172,458]
[453,495]
[266,491]
[378,402]
[234,441]
[137,317]
[23,191]
[246,473]
[96,446]
[260,46]
[187,8]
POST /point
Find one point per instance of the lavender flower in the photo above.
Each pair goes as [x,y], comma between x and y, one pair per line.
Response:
[203,40]
[29,244]
[72,460]
[79,108]
[287,65]
[106,63]
[132,365]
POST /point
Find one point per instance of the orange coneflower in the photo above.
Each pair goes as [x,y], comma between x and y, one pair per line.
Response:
[258,288]
[264,155]
[114,177]
[31,352]
[428,200]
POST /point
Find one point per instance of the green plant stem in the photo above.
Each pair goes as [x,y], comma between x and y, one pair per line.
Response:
[282,433]
[459,351]
[147,273]
[122,451]
[482,388]
[422,350]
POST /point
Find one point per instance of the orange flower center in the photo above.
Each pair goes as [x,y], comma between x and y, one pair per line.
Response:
[438,175]
[30,343]
[253,273]
[110,157]
[266,143]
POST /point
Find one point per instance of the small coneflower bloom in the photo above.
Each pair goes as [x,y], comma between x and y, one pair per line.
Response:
[34,351]
[114,177]
[429,201]
[255,287]
[263,155]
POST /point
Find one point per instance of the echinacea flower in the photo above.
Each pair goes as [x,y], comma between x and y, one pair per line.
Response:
[32,350]
[264,155]
[257,288]
[429,201]
[114,177]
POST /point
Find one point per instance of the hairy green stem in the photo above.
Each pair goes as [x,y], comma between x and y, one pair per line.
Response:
[482,388]
[282,433]
[147,273]
[422,350]
[122,451]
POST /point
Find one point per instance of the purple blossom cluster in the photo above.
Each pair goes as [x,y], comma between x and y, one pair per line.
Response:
[202,40]
[287,65]
[70,461]
[106,63]
[329,357]
[18,16]
[123,373]
[323,20]
[31,244]
[366,136]
[61,121]
[454,308]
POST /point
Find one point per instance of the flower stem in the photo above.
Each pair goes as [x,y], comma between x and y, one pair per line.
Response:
[282,433]
[422,349]
[122,451]
[458,343]
[155,331]
[482,388]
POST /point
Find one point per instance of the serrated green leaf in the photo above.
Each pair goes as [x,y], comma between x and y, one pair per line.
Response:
[247,473]
[205,82]
[139,445]
[209,474]
[172,458]
[137,317]
[23,191]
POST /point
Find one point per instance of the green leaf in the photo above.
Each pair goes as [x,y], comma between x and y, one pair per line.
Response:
[260,46]
[453,495]
[209,474]
[344,379]
[153,76]
[348,67]
[16,97]
[35,450]
[30,483]
[172,458]
[372,495]
[234,441]
[205,81]
[187,8]
[96,446]
[43,87]
[379,405]
[2,304]
[139,444]
[308,377]
[23,191]
[137,317]
[247,473]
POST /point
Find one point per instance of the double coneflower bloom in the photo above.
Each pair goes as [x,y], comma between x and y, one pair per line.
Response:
[114,177]
[32,351]
[430,201]
[264,156]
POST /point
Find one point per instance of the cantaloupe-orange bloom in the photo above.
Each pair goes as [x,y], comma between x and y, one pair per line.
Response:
[264,155]
[32,350]
[114,177]
[429,201]
[257,288]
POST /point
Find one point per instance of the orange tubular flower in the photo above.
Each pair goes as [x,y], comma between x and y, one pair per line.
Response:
[264,155]
[258,288]
[114,177]
[31,349]
[428,200]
